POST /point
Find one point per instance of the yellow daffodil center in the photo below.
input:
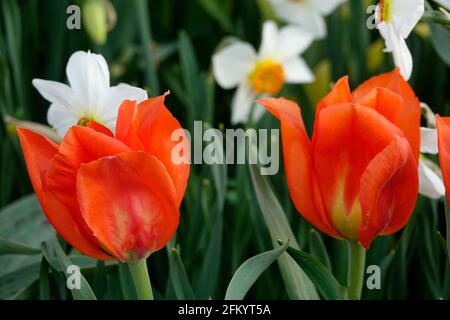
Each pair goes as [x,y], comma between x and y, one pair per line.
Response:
[267,77]
[385,10]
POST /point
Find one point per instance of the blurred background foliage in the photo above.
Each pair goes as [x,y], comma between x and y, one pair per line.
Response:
[167,45]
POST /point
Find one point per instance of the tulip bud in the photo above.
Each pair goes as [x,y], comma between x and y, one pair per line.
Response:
[95,20]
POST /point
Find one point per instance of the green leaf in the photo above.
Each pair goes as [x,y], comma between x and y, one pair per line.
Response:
[296,281]
[16,282]
[178,277]
[440,38]
[44,281]
[247,274]
[324,280]
[53,249]
[126,282]
[145,32]
[318,249]
[215,10]
[209,274]
[191,76]
[23,222]
[13,247]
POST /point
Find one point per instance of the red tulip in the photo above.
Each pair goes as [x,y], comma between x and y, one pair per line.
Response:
[111,196]
[443,129]
[357,177]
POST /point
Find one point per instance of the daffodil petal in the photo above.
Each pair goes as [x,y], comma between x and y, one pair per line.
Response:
[241,106]
[56,92]
[397,45]
[114,98]
[292,41]
[296,71]
[233,63]
[405,15]
[269,40]
[430,184]
[88,75]
[326,7]
[302,14]
[443,3]
[60,118]
[428,141]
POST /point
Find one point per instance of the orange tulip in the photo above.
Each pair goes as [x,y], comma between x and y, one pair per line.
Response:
[111,196]
[443,129]
[357,177]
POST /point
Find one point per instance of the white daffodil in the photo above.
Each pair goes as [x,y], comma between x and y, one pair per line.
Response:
[396,19]
[89,96]
[264,73]
[430,181]
[306,13]
[444,3]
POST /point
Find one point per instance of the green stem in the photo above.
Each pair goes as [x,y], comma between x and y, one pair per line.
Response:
[356,265]
[141,280]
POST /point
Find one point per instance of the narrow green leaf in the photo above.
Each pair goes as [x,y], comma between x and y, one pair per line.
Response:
[324,280]
[126,282]
[13,247]
[247,274]
[23,222]
[143,19]
[440,38]
[44,280]
[178,277]
[215,10]
[298,285]
[53,248]
[14,283]
[318,249]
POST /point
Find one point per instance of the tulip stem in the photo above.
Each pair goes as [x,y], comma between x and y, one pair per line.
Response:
[356,265]
[141,280]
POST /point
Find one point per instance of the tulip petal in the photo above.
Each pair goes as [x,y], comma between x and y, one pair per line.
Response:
[339,94]
[389,189]
[129,202]
[443,128]
[410,111]
[38,152]
[100,128]
[153,126]
[346,139]
[298,163]
[124,120]
[80,145]
[114,98]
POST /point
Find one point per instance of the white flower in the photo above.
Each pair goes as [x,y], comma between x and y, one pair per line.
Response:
[395,20]
[89,96]
[443,3]
[430,182]
[264,73]
[306,13]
